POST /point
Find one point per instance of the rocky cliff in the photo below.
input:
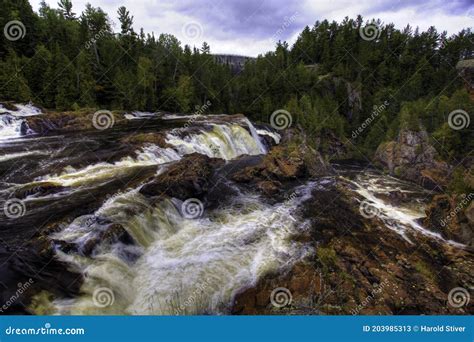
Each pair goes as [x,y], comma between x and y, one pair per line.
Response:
[413,158]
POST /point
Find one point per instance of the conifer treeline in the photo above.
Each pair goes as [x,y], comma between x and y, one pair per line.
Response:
[331,79]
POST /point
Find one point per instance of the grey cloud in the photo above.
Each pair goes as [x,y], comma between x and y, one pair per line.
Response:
[257,19]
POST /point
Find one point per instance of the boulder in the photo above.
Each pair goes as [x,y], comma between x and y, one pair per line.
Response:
[139,139]
[291,160]
[188,178]
[413,158]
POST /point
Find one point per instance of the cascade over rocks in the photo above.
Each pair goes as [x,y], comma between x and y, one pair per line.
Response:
[359,267]
[413,158]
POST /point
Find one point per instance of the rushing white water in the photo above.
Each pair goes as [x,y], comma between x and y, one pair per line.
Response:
[403,219]
[226,141]
[11,156]
[186,266]
[137,115]
[275,136]
[255,136]
[11,120]
[149,155]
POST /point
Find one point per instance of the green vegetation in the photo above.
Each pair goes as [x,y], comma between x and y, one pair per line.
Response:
[331,80]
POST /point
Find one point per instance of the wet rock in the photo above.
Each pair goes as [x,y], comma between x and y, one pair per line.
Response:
[413,158]
[26,271]
[362,267]
[70,121]
[451,216]
[269,188]
[289,161]
[139,139]
[38,189]
[109,235]
[188,178]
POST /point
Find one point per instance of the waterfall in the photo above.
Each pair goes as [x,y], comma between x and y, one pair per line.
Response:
[226,141]
[178,265]
[255,136]
[12,123]
[184,266]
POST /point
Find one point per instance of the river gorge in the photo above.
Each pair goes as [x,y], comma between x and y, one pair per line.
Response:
[169,214]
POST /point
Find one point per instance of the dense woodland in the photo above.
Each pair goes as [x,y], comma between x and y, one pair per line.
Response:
[330,80]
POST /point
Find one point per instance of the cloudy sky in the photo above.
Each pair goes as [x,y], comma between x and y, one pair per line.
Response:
[251,27]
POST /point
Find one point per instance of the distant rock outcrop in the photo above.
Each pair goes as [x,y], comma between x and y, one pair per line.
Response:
[235,62]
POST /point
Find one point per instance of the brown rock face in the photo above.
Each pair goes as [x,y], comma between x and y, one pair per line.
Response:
[452,217]
[68,121]
[187,178]
[286,162]
[137,140]
[412,158]
[362,267]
